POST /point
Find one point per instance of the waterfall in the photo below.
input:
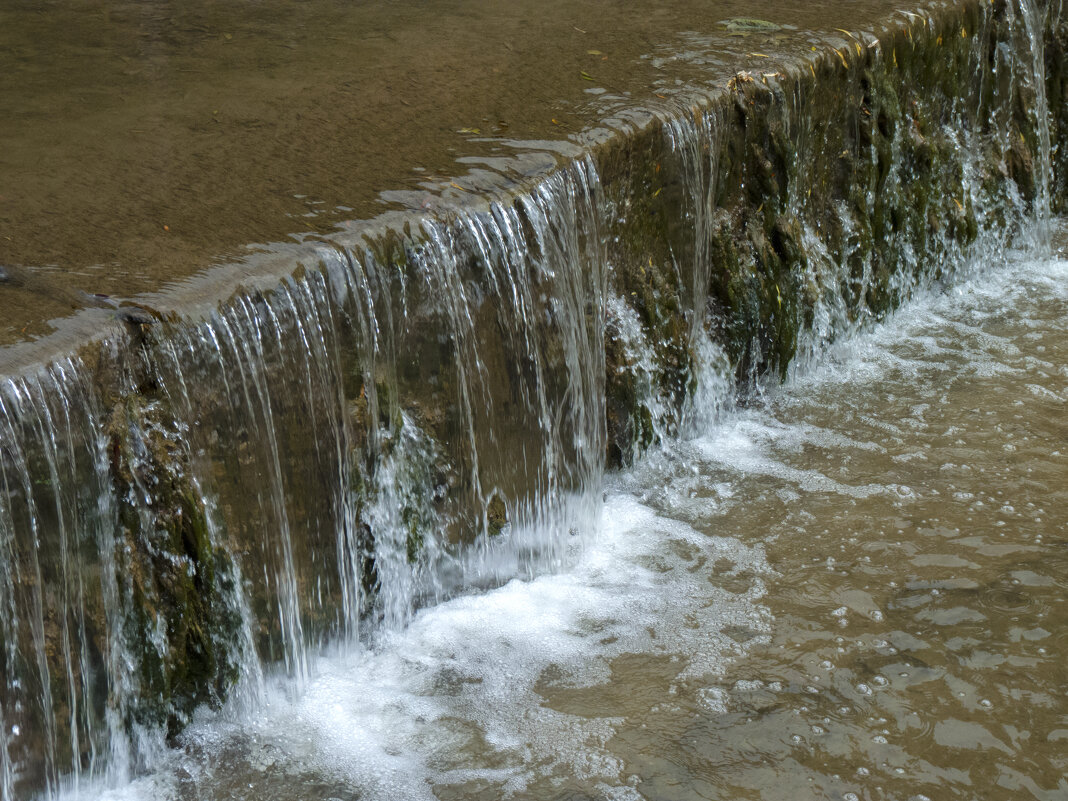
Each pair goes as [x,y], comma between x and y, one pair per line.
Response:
[59,587]
[428,411]
[1034,24]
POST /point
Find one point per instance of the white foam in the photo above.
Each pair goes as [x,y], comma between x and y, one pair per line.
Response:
[454,695]
[744,444]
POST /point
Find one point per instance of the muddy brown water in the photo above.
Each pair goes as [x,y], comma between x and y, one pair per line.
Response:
[143,144]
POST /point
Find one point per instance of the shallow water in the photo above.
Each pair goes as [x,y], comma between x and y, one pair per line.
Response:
[851,589]
[141,145]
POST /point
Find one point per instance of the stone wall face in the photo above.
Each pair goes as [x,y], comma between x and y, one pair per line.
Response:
[308,459]
[823,195]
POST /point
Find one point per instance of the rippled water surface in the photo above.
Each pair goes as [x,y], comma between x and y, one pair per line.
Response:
[852,589]
[143,144]
[912,497]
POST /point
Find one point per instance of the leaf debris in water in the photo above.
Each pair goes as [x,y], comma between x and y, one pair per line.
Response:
[585,76]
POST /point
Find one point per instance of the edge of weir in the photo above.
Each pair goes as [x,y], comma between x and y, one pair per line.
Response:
[270,264]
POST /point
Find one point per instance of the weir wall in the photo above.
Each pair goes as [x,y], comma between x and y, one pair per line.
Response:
[428,405]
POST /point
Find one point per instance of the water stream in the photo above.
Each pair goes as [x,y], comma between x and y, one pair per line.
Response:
[354,537]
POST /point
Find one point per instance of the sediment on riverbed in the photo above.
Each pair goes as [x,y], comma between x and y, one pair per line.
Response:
[384,416]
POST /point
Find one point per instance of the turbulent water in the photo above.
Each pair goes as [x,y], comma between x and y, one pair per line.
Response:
[851,588]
